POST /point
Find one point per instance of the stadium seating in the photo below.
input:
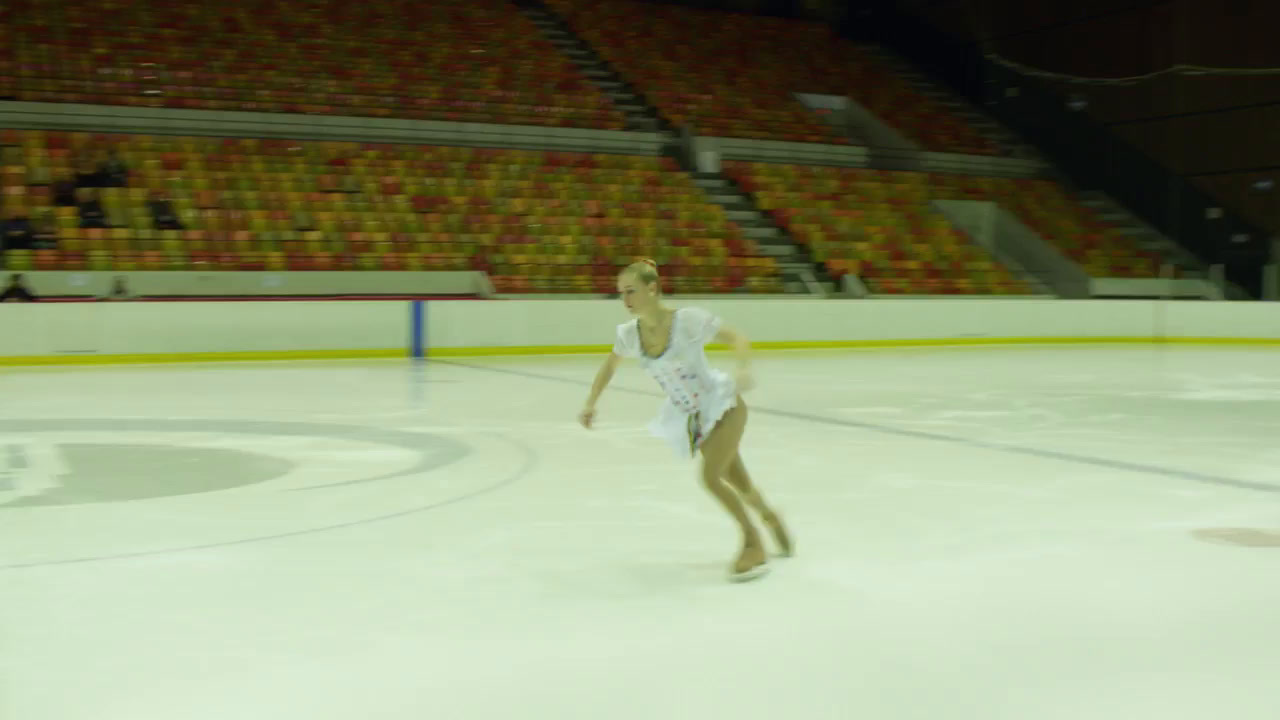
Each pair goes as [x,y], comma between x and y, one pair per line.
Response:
[1102,250]
[880,230]
[880,226]
[735,75]
[453,60]
[1044,206]
[536,221]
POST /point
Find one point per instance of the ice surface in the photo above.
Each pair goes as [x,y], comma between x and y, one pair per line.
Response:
[1020,533]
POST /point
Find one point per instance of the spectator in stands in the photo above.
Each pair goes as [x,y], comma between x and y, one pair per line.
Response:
[45,234]
[114,171]
[64,191]
[16,291]
[88,173]
[119,291]
[162,212]
[91,213]
[16,232]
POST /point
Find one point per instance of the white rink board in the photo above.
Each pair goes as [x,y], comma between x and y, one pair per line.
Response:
[59,330]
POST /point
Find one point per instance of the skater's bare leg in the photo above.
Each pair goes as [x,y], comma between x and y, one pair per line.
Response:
[718,450]
[740,480]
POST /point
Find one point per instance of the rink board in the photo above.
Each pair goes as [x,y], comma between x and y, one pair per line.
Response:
[72,333]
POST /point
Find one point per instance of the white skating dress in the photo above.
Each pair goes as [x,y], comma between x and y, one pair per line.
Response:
[697,394]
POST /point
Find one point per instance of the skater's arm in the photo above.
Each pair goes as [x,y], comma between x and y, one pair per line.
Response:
[741,347]
[603,376]
[737,342]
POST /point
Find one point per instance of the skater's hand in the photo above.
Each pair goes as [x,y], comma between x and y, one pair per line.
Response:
[587,416]
[744,380]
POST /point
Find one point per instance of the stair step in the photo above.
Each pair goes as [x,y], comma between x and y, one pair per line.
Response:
[710,184]
[760,233]
[729,199]
[777,251]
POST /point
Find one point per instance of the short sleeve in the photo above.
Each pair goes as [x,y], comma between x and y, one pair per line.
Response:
[699,326]
[626,342]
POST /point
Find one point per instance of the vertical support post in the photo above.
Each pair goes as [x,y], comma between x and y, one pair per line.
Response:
[1218,276]
[417,329]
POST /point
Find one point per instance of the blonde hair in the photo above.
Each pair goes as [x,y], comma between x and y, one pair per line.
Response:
[644,270]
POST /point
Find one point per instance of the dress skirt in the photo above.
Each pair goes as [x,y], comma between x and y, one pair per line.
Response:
[683,431]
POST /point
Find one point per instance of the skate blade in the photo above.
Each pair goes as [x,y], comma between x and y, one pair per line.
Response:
[789,550]
[754,573]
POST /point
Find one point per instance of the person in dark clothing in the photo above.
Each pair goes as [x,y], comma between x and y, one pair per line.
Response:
[45,233]
[162,212]
[91,213]
[16,232]
[16,291]
[64,192]
[88,173]
[114,171]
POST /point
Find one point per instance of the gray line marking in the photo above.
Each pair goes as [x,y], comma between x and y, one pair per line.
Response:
[935,437]
[8,478]
[530,462]
[17,458]
[444,450]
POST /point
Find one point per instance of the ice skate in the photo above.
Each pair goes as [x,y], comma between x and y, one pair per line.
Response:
[750,565]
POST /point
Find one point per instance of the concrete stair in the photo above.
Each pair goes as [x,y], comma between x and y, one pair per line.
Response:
[1148,238]
[1009,143]
[641,117]
[799,273]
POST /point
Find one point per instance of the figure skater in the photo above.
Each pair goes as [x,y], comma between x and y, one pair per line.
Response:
[704,410]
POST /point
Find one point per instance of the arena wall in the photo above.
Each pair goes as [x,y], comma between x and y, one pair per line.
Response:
[58,333]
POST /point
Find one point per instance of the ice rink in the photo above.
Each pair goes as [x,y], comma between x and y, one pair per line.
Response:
[1021,533]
